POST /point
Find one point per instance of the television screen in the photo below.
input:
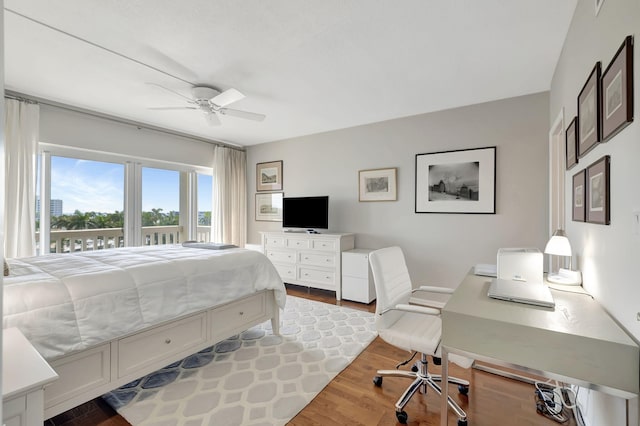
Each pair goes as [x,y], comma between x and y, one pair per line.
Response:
[305,212]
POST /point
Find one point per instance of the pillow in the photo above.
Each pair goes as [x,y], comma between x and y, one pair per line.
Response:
[6,269]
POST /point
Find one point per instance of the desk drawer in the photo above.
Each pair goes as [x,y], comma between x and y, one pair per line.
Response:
[151,346]
[276,256]
[317,259]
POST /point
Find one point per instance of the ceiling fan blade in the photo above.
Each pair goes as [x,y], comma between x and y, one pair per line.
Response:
[172,108]
[212,119]
[227,97]
[242,114]
[172,91]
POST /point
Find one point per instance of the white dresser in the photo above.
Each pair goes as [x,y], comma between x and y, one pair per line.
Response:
[312,260]
[24,375]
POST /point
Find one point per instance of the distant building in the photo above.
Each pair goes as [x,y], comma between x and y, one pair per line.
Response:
[55,207]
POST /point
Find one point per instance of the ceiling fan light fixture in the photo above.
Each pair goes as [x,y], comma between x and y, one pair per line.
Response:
[204,92]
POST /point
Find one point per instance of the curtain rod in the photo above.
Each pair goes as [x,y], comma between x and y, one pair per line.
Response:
[9,94]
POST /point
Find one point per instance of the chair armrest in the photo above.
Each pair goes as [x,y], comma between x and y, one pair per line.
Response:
[432,289]
[417,309]
[427,302]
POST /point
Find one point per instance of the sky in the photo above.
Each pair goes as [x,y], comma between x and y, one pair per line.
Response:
[99,186]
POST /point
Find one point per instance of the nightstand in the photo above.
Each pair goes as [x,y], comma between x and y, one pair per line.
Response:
[24,376]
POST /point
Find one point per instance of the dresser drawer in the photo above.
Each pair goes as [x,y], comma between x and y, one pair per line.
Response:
[276,256]
[297,243]
[237,316]
[320,276]
[317,259]
[286,271]
[274,242]
[326,245]
[153,345]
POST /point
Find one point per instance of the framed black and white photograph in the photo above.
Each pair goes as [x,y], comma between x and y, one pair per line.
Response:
[617,91]
[461,181]
[588,113]
[269,207]
[377,185]
[571,142]
[269,176]
[578,196]
[597,193]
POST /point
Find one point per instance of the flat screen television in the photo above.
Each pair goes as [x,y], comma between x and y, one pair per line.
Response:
[305,212]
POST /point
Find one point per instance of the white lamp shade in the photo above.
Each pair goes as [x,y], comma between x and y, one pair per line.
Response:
[558,245]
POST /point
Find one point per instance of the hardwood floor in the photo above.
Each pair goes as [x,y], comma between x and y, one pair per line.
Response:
[352,399]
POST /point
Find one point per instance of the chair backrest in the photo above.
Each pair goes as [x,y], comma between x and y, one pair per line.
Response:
[391,279]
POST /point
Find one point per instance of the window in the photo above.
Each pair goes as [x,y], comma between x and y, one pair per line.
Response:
[160,206]
[98,201]
[204,207]
[86,205]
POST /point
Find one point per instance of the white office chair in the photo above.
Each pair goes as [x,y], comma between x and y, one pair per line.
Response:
[410,327]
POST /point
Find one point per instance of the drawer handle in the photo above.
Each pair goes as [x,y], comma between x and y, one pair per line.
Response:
[241,313]
[306,275]
[306,258]
[328,260]
[167,341]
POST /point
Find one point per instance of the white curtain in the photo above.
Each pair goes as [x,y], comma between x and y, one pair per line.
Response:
[21,138]
[229,215]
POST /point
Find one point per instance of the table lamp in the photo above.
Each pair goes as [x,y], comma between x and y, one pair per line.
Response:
[559,245]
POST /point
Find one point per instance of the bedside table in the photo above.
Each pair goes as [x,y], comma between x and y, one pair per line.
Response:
[24,376]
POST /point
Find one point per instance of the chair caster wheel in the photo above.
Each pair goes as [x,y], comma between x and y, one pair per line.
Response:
[437,361]
[464,390]
[402,417]
[462,423]
[377,381]
[414,368]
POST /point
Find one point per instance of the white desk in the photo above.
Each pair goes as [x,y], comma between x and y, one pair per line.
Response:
[577,342]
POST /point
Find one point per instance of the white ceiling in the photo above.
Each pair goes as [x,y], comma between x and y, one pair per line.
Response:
[310,66]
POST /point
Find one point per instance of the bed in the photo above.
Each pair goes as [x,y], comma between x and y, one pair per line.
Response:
[105,318]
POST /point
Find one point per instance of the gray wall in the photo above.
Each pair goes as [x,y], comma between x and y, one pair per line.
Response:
[607,255]
[440,248]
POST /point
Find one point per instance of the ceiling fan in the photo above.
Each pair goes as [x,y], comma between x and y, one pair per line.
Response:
[212,102]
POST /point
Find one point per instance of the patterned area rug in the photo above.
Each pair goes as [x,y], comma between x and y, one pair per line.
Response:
[254,378]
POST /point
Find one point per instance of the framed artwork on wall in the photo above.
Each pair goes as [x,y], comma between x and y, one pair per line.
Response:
[377,185]
[461,181]
[571,142]
[597,198]
[578,197]
[617,91]
[588,113]
[269,207]
[269,176]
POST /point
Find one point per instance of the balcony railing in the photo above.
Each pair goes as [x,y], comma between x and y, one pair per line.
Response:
[67,241]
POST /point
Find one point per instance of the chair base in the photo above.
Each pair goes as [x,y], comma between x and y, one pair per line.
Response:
[422,379]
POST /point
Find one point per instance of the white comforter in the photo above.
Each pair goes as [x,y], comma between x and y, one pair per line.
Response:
[69,302]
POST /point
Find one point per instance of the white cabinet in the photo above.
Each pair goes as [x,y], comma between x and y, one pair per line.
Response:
[312,260]
[24,375]
[357,281]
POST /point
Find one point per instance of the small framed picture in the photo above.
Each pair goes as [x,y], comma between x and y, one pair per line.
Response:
[269,207]
[461,181]
[269,176]
[589,113]
[617,91]
[571,143]
[377,185]
[578,197]
[597,192]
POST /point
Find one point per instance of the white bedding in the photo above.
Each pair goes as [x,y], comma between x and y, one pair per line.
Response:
[68,302]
